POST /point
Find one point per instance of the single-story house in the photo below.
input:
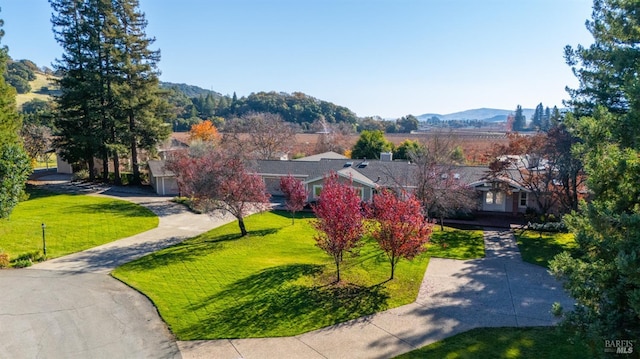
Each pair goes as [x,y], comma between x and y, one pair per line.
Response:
[367,176]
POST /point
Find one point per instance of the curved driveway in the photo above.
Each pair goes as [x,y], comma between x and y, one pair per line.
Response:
[69,308]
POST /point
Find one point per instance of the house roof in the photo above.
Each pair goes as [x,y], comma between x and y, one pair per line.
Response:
[370,172]
[325,155]
[158,169]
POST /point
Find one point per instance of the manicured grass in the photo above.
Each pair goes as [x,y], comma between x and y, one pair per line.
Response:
[540,247]
[489,343]
[456,244]
[275,282]
[73,223]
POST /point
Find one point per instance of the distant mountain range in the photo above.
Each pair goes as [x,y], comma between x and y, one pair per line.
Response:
[483,114]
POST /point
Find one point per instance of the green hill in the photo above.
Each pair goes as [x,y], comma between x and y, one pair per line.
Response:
[43,87]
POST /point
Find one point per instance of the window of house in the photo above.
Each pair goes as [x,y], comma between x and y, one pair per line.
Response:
[316,191]
[523,199]
[488,199]
[494,198]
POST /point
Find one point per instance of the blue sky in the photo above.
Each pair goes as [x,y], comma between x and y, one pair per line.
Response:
[377,57]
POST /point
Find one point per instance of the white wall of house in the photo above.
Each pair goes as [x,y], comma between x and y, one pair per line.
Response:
[63,166]
[165,186]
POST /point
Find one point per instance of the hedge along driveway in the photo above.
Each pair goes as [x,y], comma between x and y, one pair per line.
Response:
[274,282]
[73,223]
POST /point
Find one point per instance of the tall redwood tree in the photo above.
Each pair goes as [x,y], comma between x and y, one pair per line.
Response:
[401,229]
[218,183]
[294,193]
[340,220]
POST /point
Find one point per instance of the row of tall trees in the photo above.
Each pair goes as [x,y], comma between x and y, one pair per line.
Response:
[543,119]
[14,162]
[109,104]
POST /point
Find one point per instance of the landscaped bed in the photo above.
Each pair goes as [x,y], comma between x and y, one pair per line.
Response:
[72,223]
[275,282]
[489,343]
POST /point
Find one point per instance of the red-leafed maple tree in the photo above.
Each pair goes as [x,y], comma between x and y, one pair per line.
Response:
[400,228]
[340,220]
[295,194]
[217,183]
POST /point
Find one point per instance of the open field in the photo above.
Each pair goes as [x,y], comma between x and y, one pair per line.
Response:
[73,223]
[275,282]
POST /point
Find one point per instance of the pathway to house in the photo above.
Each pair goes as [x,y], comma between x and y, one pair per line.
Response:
[70,307]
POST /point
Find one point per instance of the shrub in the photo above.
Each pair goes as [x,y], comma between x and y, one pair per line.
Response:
[33,256]
[23,263]
[4,260]
[81,175]
[548,227]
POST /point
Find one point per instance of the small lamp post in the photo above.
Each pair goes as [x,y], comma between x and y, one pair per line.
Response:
[44,242]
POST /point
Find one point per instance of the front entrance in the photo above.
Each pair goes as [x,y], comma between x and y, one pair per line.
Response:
[494,201]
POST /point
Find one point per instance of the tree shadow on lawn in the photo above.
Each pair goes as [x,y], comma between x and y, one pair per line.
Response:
[122,208]
[270,303]
[190,250]
[36,192]
[539,250]
[299,214]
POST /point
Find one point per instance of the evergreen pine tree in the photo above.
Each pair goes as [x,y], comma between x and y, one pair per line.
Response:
[80,136]
[536,120]
[520,121]
[139,99]
[546,119]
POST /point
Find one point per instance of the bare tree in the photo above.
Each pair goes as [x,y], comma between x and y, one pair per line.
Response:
[332,136]
[37,140]
[260,135]
[439,187]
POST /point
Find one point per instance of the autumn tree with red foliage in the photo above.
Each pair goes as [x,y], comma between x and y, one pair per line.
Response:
[217,183]
[399,228]
[204,131]
[339,219]
[295,194]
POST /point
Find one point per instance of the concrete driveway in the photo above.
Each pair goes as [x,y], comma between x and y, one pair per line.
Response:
[59,314]
[69,307]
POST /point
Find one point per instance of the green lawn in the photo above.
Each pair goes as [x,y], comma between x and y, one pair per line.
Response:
[456,244]
[275,282]
[489,343]
[540,247]
[73,223]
